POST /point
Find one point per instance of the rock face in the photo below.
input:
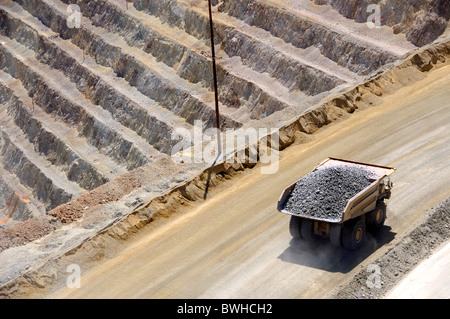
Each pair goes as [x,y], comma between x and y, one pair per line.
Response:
[421,21]
[427,27]
[324,193]
[80,105]
[304,33]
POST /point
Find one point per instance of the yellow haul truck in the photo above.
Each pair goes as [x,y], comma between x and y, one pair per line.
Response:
[347,227]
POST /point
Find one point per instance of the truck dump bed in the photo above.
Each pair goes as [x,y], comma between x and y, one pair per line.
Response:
[323,194]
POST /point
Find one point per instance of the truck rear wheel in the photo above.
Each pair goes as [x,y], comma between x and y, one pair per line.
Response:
[295,227]
[336,235]
[307,229]
[375,219]
[353,233]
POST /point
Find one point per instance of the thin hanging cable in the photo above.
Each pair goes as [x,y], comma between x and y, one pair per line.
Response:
[213,54]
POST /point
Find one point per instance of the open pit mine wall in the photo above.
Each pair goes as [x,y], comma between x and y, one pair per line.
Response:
[422,21]
[82,106]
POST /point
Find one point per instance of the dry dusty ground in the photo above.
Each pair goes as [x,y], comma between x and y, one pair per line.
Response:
[236,245]
[428,280]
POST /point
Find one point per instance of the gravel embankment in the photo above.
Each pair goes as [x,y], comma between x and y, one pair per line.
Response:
[324,193]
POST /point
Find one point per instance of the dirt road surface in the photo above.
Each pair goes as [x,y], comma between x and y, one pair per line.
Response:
[236,244]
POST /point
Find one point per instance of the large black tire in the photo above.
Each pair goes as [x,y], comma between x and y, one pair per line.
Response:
[353,233]
[295,227]
[336,235]
[375,219]
[307,230]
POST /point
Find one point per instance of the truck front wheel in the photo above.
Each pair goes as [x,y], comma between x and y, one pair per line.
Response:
[375,219]
[353,233]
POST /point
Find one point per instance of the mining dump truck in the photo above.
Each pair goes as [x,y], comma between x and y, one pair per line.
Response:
[338,199]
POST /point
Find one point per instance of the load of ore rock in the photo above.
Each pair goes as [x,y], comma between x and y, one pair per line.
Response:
[324,193]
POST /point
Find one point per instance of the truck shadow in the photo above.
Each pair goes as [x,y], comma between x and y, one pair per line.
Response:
[321,255]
